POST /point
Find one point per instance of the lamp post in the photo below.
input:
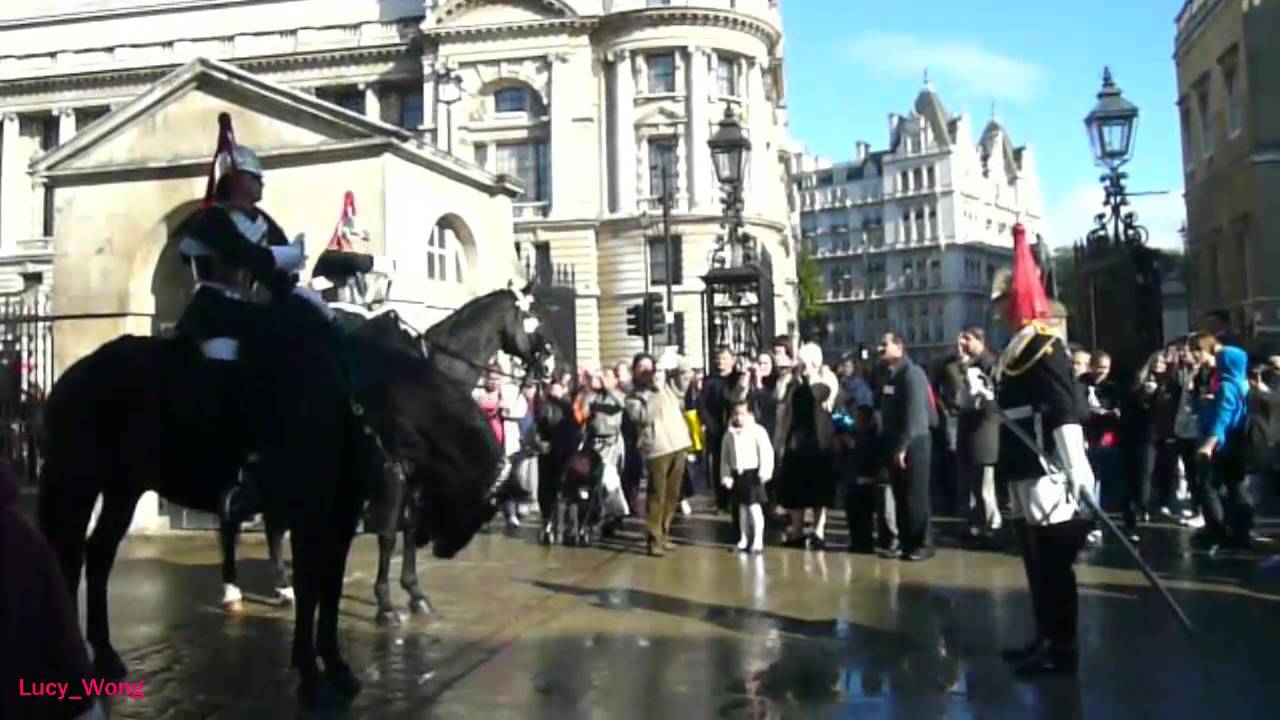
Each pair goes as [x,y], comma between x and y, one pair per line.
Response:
[448,92]
[1112,126]
[730,149]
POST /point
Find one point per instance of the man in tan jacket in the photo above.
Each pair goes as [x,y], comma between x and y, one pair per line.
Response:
[656,406]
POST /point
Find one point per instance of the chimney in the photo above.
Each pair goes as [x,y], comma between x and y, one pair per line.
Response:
[862,149]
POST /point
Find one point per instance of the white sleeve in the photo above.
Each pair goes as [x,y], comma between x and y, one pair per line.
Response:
[1068,443]
[765,448]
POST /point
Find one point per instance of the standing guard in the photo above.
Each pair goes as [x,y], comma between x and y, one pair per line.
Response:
[1037,392]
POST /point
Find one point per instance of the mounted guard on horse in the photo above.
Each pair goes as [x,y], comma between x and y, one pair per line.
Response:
[242,262]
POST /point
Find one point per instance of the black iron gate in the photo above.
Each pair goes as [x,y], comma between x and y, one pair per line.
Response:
[555,290]
[26,374]
[738,304]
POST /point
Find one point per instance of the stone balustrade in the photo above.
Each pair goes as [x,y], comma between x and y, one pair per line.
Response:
[240,46]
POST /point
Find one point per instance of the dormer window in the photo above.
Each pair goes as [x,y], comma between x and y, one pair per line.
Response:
[512,99]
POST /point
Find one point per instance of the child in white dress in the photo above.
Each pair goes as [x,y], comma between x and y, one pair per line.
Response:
[746,464]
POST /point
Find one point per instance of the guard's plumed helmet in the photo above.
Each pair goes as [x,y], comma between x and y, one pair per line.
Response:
[239,158]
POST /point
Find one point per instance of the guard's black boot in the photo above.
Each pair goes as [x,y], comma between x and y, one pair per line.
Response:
[1052,660]
[1018,655]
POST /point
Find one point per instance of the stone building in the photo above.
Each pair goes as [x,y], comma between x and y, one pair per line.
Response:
[1229,102]
[908,239]
[577,101]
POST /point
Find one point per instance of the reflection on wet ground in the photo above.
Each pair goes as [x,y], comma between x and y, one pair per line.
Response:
[524,631]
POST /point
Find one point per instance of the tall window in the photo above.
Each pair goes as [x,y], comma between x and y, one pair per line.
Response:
[513,99]
[542,266]
[658,261]
[348,97]
[1184,116]
[402,105]
[935,273]
[662,72]
[442,255]
[727,76]
[931,178]
[529,162]
[662,159]
[1230,79]
[1206,124]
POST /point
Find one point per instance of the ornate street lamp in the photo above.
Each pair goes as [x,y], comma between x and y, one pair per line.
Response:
[1112,125]
[730,150]
[1112,128]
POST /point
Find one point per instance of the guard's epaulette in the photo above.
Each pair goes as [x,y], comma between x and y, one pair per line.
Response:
[1017,365]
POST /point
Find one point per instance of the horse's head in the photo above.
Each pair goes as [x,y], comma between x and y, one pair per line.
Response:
[522,334]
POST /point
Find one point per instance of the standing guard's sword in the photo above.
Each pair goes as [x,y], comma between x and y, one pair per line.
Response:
[1087,498]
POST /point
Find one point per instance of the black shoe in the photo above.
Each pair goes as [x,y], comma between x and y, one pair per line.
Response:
[893,552]
[816,543]
[861,548]
[919,554]
[1047,662]
[1018,655]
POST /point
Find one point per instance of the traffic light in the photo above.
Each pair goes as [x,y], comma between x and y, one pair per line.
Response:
[635,321]
[655,314]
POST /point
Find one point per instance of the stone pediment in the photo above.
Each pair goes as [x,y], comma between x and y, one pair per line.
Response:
[493,12]
[660,115]
[175,124]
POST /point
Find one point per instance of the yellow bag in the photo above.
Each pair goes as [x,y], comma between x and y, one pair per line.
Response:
[695,429]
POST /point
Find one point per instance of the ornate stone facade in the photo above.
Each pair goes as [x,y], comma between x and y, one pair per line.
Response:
[908,239]
[573,98]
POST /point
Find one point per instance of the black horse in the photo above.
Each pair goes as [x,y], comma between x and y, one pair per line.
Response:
[127,418]
[458,350]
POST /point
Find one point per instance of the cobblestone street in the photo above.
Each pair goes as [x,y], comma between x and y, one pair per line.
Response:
[523,631]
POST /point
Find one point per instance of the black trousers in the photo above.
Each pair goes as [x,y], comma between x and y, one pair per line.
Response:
[868,517]
[911,495]
[1048,556]
[1142,466]
[1228,510]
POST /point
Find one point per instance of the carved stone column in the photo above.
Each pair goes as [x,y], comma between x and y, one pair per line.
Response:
[372,103]
[14,188]
[623,155]
[66,124]
[701,181]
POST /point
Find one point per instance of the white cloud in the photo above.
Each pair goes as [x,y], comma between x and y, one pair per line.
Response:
[962,64]
[1071,217]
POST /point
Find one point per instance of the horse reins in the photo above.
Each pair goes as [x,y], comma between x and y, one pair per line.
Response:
[428,346]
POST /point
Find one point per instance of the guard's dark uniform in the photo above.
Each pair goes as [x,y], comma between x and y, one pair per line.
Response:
[1035,390]
[233,266]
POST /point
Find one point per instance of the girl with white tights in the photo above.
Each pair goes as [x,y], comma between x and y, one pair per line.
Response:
[746,465]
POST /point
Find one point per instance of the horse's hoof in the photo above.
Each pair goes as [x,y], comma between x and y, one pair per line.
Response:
[316,693]
[387,618]
[342,680]
[420,606]
[108,665]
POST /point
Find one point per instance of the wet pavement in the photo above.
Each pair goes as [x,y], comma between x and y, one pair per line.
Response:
[524,631]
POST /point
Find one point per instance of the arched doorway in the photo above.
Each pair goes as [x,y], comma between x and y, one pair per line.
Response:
[172,283]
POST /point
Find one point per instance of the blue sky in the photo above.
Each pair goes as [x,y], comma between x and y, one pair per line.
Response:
[852,62]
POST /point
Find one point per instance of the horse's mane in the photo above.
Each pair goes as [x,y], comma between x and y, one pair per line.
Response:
[464,316]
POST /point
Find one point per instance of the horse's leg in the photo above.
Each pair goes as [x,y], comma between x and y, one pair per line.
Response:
[229,535]
[100,555]
[386,613]
[336,670]
[309,560]
[418,602]
[275,550]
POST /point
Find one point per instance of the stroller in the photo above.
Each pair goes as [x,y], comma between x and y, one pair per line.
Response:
[590,491]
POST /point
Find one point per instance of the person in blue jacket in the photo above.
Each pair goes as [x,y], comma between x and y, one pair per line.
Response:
[1228,512]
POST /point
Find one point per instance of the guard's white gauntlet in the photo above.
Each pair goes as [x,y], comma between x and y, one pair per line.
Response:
[1068,442]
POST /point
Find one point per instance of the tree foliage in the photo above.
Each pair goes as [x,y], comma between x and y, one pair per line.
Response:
[809,282]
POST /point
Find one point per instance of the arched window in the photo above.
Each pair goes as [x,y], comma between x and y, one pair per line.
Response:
[444,256]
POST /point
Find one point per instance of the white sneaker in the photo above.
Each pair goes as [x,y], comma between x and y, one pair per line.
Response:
[742,544]
[685,509]
[513,522]
[1196,522]
[1095,537]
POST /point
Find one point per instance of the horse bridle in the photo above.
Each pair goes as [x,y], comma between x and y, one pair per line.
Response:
[429,346]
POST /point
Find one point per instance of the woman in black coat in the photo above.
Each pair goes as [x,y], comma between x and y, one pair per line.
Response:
[805,442]
[978,439]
